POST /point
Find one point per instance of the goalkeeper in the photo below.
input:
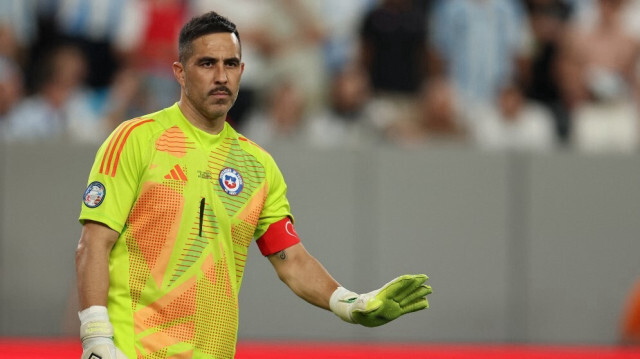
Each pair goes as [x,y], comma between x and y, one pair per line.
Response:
[173,201]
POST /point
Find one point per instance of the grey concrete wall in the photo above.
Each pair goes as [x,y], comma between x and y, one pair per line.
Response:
[3,270]
[41,194]
[583,245]
[518,248]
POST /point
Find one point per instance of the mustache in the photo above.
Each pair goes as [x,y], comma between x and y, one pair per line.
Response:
[220,89]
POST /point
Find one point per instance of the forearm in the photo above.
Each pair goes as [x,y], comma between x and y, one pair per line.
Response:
[304,275]
[310,281]
[93,278]
[92,269]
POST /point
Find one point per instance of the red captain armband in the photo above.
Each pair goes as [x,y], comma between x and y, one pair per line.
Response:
[280,235]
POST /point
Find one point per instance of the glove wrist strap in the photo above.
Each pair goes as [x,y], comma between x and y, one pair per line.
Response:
[341,302]
[94,322]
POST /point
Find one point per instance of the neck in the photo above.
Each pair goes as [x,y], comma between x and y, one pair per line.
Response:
[210,125]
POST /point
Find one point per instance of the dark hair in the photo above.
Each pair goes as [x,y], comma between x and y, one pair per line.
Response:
[208,23]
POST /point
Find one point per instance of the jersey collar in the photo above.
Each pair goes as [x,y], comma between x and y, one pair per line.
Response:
[203,138]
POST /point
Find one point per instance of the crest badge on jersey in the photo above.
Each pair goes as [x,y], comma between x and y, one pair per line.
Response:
[231,181]
[94,194]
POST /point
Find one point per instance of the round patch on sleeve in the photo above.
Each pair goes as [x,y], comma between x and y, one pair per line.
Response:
[94,194]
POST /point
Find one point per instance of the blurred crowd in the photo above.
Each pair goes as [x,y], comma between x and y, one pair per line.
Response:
[530,75]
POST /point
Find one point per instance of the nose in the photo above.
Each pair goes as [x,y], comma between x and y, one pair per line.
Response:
[220,74]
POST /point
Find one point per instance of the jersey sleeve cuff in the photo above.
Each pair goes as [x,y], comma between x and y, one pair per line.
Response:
[280,235]
[104,220]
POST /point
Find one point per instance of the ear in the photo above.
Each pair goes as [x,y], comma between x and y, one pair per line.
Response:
[178,72]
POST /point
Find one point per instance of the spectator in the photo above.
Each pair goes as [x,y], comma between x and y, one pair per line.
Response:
[548,19]
[18,30]
[62,108]
[156,49]
[125,98]
[599,81]
[283,119]
[11,89]
[393,52]
[480,45]
[44,35]
[343,19]
[106,32]
[513,124]
[587,14]
[257,46]
[162,19]
[436,118]
[346,122]
[298,30]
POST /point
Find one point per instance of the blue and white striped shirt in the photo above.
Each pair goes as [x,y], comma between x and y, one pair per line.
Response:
[479,40]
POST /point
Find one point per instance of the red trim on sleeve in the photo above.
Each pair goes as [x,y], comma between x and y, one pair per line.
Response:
[280,235]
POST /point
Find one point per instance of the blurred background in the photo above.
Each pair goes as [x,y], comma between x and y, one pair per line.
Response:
[492,144]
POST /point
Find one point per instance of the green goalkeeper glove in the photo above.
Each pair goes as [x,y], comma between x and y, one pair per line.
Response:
[96,333]
[403,295]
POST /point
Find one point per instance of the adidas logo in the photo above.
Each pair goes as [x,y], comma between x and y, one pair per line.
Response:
[177,174]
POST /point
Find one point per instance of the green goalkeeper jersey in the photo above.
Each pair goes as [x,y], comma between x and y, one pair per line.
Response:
[187,205]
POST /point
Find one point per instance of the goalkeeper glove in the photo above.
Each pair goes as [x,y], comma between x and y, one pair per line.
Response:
[402,295]
[96,333]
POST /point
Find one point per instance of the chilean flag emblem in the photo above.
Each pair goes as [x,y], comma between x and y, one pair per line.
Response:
[231,181]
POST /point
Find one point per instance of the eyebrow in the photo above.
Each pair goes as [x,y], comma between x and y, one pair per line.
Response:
[213,59]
